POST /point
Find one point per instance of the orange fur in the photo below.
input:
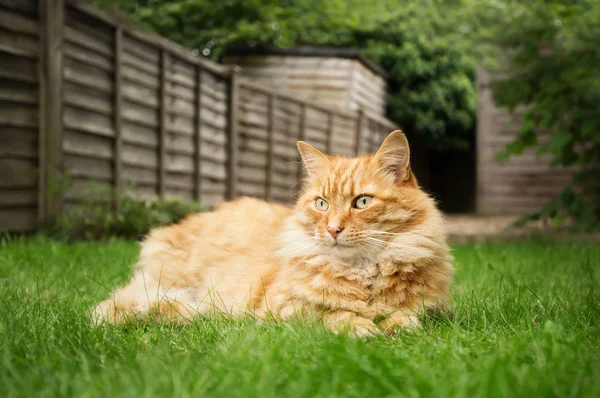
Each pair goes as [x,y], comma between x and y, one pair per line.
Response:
[387,259]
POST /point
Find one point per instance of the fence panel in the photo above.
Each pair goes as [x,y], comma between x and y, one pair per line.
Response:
[19,114]
[527,181]
[113,110]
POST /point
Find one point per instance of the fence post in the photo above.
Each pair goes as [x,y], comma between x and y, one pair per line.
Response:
[118,188]
[301,137]
[198,136]
[359,131]
[330,132]
[162,139]
[232,139]
[50,71]
[270,145]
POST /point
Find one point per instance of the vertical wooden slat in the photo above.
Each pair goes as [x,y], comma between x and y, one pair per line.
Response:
[301,137]
[359,132]
[118,98]
[162,139]
[232,139]
[270,145]
[52,14]
[484,129]
[198,136]
[330,121]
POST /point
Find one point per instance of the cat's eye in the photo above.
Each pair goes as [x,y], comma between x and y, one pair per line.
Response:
[362,201]
[321,204]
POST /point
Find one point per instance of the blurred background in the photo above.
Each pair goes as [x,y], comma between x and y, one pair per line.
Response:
[112,102]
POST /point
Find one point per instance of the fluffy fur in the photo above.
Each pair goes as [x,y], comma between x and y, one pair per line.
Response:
[386,260]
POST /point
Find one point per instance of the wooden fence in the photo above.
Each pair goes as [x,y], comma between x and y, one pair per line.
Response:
[87,101]
[521,185]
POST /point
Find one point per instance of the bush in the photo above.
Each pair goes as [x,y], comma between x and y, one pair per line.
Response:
[93,221]
[429,59]
[552,50]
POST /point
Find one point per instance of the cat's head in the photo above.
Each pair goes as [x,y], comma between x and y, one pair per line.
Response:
[349,207]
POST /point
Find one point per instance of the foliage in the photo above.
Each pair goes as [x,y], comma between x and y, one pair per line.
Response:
[429,61]
[552,48]
[94,220]
[526,323]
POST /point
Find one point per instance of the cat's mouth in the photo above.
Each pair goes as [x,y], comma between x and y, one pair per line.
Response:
[339,246]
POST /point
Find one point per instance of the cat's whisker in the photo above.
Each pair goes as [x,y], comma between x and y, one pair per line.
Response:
[408,248]
[312,252]
[299,247]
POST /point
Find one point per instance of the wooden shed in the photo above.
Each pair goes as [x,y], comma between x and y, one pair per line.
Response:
[517,186]
[337,77]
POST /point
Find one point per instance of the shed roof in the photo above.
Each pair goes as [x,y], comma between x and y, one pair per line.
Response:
[307,51]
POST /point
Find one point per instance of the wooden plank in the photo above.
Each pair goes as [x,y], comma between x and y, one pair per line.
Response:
[118,124]
[89,25]
[288,97]
[139,175]
[87,76]
[84,40]
[20,92]
[141,192]
[86,121]
[134,155]
[18,68]
[162,129]
[145,52]
[18,220]
[140,78]
[179,163]
[88,57]
[233,139]
[179,181]
[140,115]
[77,143]
[359,132]
[88,99]
[330,121]
[139,95]
[18,173]
[211,187]
[18,142]
[198,136]
[18,44]
[143,65]
[87,167]
[29,7]
[215,171]
[18,23]
[139,135]
[270,145]
[16,198]
[301,137]
[18,115]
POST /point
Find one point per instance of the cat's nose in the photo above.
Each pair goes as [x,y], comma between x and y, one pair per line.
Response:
[334,231]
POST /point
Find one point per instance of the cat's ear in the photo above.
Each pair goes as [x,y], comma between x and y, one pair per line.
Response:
[393,156]
[314,160]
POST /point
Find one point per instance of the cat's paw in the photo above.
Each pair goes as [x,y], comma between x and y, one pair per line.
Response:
[109,312]
[400,320]
[352,325]
[364,329]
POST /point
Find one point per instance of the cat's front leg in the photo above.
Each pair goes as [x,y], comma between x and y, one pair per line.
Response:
[404,319]
[346,322]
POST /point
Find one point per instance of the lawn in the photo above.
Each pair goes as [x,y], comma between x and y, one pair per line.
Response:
[526,323]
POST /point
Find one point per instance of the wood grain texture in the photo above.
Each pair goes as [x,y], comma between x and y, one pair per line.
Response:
[525,182]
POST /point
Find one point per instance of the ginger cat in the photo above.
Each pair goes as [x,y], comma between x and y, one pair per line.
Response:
[363,242]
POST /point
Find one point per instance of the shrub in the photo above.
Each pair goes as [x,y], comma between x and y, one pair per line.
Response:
[552,48]
[91,220]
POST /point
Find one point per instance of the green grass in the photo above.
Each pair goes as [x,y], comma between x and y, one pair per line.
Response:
[527,323]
